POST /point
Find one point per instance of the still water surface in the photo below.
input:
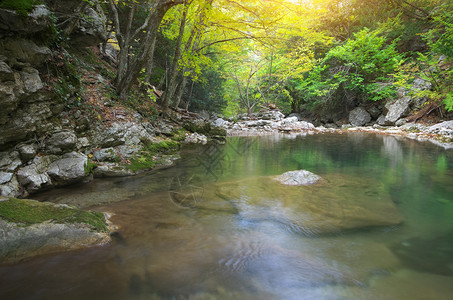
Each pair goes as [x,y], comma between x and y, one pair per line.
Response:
[180,238]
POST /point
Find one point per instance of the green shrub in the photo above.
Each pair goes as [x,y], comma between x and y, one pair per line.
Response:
[360,69]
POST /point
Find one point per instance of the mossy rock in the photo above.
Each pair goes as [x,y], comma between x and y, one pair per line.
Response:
[29,228]
[145,159]
[164,147]
[28,212]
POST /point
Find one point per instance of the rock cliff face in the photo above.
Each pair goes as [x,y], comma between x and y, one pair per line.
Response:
[42,144]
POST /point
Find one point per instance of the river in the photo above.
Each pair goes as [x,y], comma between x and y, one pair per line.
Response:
[216,226]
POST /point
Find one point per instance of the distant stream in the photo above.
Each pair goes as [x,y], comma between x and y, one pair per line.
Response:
[216,226]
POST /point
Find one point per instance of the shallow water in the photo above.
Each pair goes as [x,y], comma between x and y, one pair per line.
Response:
[216,227]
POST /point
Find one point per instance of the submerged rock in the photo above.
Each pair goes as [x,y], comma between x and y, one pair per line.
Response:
[29,228]
[431,255]
[338,204]
[300,177]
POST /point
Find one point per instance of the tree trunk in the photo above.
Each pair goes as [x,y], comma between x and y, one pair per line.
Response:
[182,87]
[171,88]
[129,67]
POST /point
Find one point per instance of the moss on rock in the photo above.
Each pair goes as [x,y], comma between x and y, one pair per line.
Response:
[29,212]
[145,159]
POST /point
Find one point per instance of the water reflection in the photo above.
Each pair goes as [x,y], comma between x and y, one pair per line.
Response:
[222,230]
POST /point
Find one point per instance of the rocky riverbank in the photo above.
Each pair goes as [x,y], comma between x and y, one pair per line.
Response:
[273,121]
[61,124]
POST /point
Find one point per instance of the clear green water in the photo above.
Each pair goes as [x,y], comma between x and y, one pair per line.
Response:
[180,238]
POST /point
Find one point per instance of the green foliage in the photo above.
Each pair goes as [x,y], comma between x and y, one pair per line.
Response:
[89,167]
[432,70]
[30,212]
[440,37]
[22,7]
[358,69]
[448,102]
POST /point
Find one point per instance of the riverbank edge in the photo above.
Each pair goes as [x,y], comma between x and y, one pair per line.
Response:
[411,131]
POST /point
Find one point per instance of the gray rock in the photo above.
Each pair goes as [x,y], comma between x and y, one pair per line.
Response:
[61,142]
[106,154]
[420,84]
[219,122]
[359,116]
[381,121]
[196,138]
[38,20]
[400,122]
[109,137]
[135,133]
[290,120]
[25,51]
[70,169]
[5,177]
[374,111]
[274,115]
[27,151]
[111,52]
[6,74]
[10,161]
[258,123]
[398,109]
[8,100]
[82,142]
[91,29]
[31,80]
[300,177]
[10,188]
[296,126]
[28,120]
[34,177]
[444,128]
[127,151]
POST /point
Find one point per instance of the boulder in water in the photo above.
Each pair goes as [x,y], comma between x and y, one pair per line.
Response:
[300,177]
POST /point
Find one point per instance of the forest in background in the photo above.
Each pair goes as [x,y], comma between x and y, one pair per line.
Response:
[231,57]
